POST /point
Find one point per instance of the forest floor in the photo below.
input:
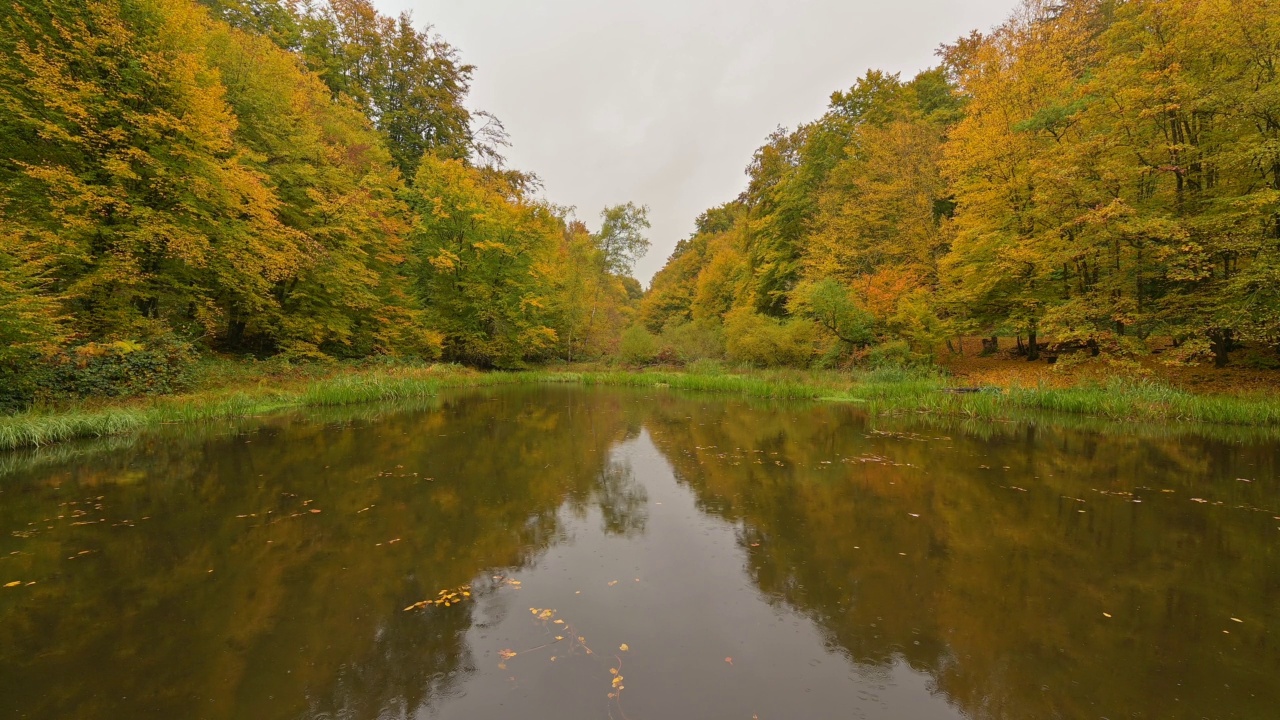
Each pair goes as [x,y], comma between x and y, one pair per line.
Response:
[995,388]
[1006,369]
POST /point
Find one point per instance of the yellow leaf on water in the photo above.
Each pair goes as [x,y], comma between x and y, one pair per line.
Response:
[612,583]
[613,671]
[617,681]
[1106,614]
[1237,620]
[624,647]
[15,583]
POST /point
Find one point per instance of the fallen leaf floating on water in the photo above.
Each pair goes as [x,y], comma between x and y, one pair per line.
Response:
[15,583]
[1237,620]
[729,660]
[1106,615]
[315,510]
[444,598]
[624,647]
[506,654]
[612,583]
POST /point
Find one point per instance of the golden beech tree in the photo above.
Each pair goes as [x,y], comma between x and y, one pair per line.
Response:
[129,174]
[487,254]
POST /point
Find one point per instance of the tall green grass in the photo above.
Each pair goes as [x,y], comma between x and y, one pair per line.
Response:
[763,386]
[882,391]
[37,428]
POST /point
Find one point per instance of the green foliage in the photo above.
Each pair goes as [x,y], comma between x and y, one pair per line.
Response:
[917,323]
[30,332]
[488,254]
[123,368]
[638,346]
[694,341]
[762,341]
[832,308]
[408,81]
[621,239]
[895,354]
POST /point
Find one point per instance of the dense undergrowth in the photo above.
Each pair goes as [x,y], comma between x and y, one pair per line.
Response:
[227,391]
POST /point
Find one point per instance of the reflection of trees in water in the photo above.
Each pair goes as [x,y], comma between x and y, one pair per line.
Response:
[998,594]
[622,500]
[302,616]
[412,661]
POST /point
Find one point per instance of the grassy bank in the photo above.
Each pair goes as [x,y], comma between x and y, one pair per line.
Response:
[900,391]
[241,398]
[239,393]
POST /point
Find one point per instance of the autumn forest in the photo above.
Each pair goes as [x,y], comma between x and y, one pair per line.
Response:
[961,403]
[262,178]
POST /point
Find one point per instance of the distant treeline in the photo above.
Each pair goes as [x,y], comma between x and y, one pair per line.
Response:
[263,177]
[1103,172]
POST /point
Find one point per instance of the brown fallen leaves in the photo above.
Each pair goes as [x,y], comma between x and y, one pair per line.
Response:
[444,598]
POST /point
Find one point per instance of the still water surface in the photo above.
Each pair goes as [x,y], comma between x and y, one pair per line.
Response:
[757,560]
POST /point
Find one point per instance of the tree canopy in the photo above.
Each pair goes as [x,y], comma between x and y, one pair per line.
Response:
[264,177]
[1101,172]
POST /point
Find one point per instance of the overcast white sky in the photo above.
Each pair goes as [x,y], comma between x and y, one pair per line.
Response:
[663,102]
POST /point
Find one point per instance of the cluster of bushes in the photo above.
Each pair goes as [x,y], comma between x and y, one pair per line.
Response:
[679,343]
[761,341]
[117,369]
[749,339]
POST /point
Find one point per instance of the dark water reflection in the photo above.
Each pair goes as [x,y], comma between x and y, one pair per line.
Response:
[781,561]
